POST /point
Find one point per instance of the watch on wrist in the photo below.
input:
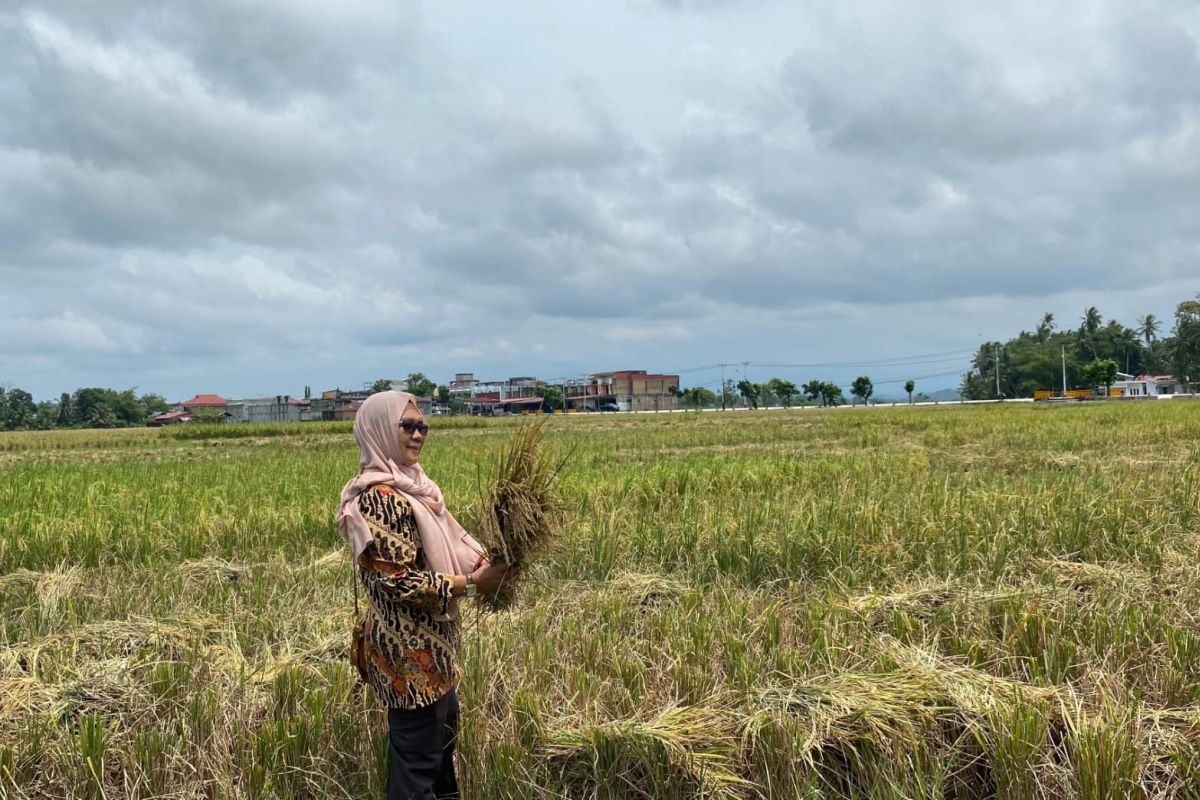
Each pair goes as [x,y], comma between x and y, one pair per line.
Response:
[472,589]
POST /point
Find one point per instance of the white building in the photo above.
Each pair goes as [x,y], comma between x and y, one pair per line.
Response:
[1148,385]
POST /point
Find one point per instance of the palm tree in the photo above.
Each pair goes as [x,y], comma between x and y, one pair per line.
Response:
[1127,340]
[1148,328]
[1091,323]
[1045,327]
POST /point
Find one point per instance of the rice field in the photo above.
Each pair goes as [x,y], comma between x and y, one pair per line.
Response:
[966,602]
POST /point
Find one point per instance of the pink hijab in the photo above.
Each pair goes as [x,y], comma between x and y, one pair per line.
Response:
[448,548]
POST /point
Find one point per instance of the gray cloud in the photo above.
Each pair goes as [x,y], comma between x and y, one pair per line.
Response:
[234,194]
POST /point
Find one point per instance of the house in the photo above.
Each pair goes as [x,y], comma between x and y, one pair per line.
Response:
[462,384]
[624,390]
[280,408]
[1148,385]
[211,406]
[490,404]
[347,410]
[170,418]
[202,401]
[337,404]
[479,395]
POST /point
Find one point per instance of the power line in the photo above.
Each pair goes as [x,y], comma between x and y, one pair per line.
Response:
[863,365]
[898,361]
[919,377]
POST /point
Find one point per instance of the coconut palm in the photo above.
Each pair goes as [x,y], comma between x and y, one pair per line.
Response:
[1148,328]
[1045,327]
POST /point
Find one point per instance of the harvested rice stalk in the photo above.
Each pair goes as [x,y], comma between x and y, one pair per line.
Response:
[697,743]
[521,515]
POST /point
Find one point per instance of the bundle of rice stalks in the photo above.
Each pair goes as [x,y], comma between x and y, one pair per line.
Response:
[693,745]
[24,695]
[520,516]
[210,570]
[890,712]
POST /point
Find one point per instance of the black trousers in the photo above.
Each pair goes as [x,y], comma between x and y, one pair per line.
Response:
[421,751]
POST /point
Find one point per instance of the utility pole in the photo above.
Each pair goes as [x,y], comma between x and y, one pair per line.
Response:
[996,350]
[722,387]
[1064,367]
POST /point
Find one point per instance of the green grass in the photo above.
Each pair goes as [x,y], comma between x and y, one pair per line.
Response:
[936,602]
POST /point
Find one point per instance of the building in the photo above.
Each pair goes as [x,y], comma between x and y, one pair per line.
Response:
[207,406]
[625,390]
[338,404]
[347,411]
[513,395]
[202,401]
[170,418]
[1148,385]
[462,384]
[280,408]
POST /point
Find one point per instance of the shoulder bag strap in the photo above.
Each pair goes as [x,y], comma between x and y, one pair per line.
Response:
[354,583]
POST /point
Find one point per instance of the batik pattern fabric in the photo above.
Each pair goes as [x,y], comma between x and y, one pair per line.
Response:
[412,657]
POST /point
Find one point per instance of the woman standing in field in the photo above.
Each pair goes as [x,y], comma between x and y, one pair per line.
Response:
[414,561]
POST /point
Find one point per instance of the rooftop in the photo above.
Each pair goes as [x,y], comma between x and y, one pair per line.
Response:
[201,400]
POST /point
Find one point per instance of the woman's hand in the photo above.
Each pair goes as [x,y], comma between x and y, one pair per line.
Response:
[490,577]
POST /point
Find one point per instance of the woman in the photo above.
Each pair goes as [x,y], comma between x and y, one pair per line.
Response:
[414,561]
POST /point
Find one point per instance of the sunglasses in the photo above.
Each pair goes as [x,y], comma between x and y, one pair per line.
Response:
[411,426]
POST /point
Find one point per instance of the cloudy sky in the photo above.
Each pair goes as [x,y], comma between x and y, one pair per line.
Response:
[250,197]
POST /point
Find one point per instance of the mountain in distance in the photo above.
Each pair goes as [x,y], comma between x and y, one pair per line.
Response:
[941,395]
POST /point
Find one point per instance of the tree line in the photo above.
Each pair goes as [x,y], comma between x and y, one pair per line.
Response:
[780,392]
[1094,352]
[90,407]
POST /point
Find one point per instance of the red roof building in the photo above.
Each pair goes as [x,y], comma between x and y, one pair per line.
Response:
[205,401]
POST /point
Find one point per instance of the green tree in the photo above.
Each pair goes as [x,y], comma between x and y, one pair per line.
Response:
[94,404]
[1185,349]
[784,390]
[1127,343]
[909,385]
[1101,372]
[1045,327]
[443,395]
[308,393]
[830,394]
[812,390]
[153,404]
[47,416]
[862,388]
[66,411]
[974,386]
[1089,323]
[381,385]
[698,397]
[126,407]
[1148,328]
[749,391]
[419,385]
[553,395]
[21,413]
